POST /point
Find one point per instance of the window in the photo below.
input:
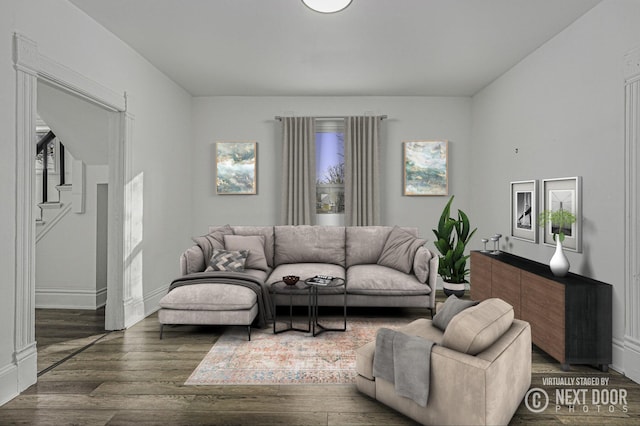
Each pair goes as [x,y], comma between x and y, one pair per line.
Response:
[330,172]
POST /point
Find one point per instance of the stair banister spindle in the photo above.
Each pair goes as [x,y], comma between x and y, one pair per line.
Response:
[61,163]
[45,178]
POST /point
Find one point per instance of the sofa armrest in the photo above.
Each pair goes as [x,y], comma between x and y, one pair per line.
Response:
[183,264]
[192,260]
[434,262]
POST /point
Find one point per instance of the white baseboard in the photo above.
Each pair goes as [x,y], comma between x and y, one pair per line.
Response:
[617,356]
[19,375]
[8,383]
[27,362]
[60,298]
[133,312]
[632,358]
[152,300]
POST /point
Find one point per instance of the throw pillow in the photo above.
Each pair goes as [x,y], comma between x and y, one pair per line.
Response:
[254,244]
[451,307]
[421,264]
[399,250]
[212,240]
[227,260]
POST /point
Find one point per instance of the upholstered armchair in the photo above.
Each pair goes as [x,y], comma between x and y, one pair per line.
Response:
[480,368]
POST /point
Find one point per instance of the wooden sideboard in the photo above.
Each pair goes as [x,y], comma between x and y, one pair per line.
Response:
[570,317]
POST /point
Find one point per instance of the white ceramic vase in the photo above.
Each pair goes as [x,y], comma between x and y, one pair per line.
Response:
[559,263]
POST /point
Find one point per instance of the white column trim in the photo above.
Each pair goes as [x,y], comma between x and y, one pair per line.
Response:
[25,354]
[632,216]
[119,126]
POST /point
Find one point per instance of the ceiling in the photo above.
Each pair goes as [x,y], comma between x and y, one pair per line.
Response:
[374,47]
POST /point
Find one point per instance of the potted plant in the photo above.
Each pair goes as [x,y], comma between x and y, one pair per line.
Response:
[452,237]
[559,221]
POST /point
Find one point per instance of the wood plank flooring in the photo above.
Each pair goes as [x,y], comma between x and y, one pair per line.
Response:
[132,377]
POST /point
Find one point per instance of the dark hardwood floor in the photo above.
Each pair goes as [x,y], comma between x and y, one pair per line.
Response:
[132,377]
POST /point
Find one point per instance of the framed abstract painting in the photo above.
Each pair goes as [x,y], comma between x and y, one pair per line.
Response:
[425,168]
[236,168]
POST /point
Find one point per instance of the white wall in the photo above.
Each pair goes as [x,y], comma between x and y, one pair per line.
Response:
[252,118]
[563,108]
[66,262]
[161,145]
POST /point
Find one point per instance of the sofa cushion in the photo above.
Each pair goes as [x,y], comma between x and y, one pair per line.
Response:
[228,260]
[399,250]
[195,260]
[381,280]
[266,231]
[310,244]
[421,264]
[209,297]
[214,239]
[254,244]
[449,309]
[477,328]
[365,243]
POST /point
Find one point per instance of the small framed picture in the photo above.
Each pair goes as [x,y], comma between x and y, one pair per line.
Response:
[236,168]
[425,168]
[563,194]
[524,210]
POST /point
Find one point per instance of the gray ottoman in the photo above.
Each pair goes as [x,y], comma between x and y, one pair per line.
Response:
[209,304]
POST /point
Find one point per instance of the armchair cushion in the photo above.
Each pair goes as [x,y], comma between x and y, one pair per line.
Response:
[475,329]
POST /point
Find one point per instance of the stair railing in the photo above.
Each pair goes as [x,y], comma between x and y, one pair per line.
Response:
[41,146]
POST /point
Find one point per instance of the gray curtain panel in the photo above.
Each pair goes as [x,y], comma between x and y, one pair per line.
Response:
[298,171]
[362,181]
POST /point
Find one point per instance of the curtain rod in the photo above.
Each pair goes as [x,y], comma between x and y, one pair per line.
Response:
[326,117]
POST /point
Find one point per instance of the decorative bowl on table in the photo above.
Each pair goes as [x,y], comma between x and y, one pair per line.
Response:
[290,279]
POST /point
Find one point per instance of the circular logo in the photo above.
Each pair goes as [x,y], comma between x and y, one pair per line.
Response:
[536,400]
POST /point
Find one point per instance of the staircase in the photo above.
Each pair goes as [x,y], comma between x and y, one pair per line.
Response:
[50,166]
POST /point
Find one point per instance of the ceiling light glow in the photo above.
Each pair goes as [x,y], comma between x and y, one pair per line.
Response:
[327,6]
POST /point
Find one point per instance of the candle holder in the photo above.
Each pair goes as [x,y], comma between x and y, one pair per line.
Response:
[484,241]
[496,244]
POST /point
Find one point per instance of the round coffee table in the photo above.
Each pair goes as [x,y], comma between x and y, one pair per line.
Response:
[317,287]
[279,287]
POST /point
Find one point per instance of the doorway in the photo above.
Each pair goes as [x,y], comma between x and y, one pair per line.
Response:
[31,67]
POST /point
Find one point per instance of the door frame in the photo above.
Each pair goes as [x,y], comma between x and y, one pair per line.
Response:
[31,66]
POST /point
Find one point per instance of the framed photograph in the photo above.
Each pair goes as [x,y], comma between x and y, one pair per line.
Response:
[563,194]
[425,168]
[236,168]
[524,210]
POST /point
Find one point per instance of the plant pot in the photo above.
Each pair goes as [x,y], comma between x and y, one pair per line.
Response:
[456,289]
[559,263]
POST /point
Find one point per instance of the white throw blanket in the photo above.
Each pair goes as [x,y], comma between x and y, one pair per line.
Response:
[404,361]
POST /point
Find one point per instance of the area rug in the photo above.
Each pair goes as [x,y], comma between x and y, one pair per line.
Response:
[288,358]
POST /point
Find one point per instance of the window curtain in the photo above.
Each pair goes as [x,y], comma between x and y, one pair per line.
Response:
[298,171]
[362,180]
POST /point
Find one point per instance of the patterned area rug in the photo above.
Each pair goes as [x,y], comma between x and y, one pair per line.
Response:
[288,358]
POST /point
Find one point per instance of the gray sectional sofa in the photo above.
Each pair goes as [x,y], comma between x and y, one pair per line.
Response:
[383,266]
